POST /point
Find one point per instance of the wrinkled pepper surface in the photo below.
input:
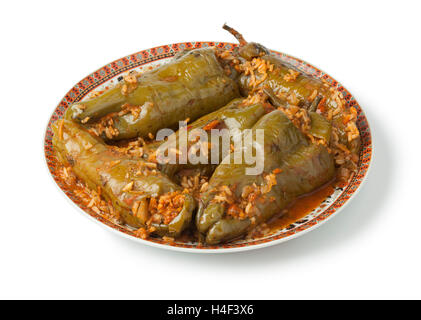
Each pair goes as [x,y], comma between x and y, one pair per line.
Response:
[98,165]
[189,86]
[299,168]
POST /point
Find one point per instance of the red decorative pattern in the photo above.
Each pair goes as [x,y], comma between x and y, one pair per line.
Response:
[94,80]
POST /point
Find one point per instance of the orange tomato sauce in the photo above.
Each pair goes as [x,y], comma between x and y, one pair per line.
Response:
[300,208]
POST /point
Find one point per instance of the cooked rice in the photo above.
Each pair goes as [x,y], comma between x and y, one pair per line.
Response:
[90,198]
[193,182]
[291,76]
[244,206]
[166,207]
[130,82]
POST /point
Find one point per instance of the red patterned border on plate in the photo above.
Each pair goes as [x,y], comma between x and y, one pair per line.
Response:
[92,81]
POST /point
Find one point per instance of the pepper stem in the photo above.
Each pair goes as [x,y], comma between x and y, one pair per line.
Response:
[236,34]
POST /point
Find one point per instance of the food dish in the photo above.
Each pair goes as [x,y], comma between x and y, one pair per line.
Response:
[309,124]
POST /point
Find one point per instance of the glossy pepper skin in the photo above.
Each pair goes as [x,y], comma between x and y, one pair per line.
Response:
[303,167]
[100,166]
[234,117]
[302,87]
[189,86]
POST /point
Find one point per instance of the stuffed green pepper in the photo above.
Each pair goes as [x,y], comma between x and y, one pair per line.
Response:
[257,68]
[189,86]
[235,201]
[143,196]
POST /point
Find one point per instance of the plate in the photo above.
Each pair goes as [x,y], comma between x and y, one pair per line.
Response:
[151,58]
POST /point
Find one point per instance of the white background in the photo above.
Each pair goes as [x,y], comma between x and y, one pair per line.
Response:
[370,250]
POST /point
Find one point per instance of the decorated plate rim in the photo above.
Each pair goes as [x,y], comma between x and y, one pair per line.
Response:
[144,57]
